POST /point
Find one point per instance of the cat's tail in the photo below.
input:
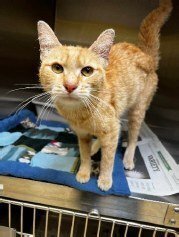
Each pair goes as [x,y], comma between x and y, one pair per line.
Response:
[149,33]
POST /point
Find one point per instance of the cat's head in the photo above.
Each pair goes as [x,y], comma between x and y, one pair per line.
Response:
[72,74]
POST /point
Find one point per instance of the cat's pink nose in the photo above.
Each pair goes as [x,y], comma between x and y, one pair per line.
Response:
[70,88]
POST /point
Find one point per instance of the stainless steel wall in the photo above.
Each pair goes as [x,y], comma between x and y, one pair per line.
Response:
[19,49]
[80,22]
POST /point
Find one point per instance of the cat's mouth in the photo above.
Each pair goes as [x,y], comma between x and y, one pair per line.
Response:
[69,98]
[66,98]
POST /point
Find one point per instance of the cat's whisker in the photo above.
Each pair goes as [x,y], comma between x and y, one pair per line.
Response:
[100,100]
[27,84]
[99,91]
[91,105]
[24,88]
[91,112]
[96,111]
[53,98]
[93,115]
[44,110]
[96,99]
[34,97]
[47,105]
[84,100]
[99,105]
[40,116]
[29,100]
[50,108]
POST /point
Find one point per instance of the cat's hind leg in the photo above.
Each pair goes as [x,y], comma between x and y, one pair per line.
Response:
[136,116]
[95,147]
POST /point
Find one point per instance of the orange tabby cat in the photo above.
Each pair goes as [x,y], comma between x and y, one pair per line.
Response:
[93,87]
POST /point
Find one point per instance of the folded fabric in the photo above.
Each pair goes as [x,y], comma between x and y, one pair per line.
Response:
[12,153]
[4,151]
[62,149]
[56,129]
[55,162]
[19,128]
[36,144]
[65,137]
[41,134]
[8,138]
[15,119]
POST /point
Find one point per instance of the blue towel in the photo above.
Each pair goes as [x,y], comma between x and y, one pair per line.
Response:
[18,169]
[12,153]
[41,134]
[53,161]
[8,138]
[13,120]
[54,128]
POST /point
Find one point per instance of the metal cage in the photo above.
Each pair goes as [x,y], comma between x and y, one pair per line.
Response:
[31,220]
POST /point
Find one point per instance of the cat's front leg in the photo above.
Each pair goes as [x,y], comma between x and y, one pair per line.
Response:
[84,172]
[108,143]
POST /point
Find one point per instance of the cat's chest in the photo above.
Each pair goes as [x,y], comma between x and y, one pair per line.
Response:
[77,121]
[83,127]
[84,124]
[89,127]
[82,132]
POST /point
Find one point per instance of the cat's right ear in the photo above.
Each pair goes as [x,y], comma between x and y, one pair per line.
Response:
[47,39]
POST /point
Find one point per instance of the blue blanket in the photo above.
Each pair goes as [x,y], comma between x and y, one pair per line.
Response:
[49,152]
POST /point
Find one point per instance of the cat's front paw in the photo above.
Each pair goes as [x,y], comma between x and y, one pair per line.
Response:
[82,176]
[128,164]
[104,183]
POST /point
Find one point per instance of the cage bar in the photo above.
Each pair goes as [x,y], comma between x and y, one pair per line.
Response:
[59,223]
[72,225]
[92,215]
[34,219]
[140,231]
[9,214]
[154,232]
[126,230]
[21,225]
[86,226]
[112,228]
[46,222]
[99,227]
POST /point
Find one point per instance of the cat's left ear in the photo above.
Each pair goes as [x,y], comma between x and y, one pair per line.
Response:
[103,43]
[47,39]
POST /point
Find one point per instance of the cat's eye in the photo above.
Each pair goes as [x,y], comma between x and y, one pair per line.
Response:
[87,71]
[57,68]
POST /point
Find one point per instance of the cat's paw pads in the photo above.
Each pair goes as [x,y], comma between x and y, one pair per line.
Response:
[128,164]
[104,183]
[82,177]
